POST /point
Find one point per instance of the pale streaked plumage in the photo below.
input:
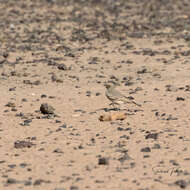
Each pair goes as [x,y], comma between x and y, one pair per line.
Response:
[116,97]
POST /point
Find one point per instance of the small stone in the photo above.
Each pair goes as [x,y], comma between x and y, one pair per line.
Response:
[129,83]
[27,82]
[74,188]
[57,121]
[43,96]
[24,100]
[63,126]
[12,181]
[103,161]
[27,183]
[26,122]
[146,149]
[58,150]
[5,54]
[10,104]
[23,165]
[181,183]
[142,71]
[88,93]
[12,165]
[38,182]
[53,78]
[152,136]
[124,157]
[19,114]
[51,97]
[23,144]
[13,109]
[62,67]
[12,89]
[156,146]
[180,99]
[37,82]
[46,109]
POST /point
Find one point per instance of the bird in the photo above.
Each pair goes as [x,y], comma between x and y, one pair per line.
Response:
[116,97]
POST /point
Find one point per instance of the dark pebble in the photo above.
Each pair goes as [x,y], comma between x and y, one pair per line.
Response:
[124,157]
[144,70]
[58,150]
[62,67]
[27,183]
[23,165]
[12,89]
[38,182]
[10,104]
[156,146]
[23,144]
[46,109]
[43,96]
[74,188]
[12,181]
[19,114]
[180,99]
[13,109]
[103,161]
[152,136]
[181,183]
[24,100]
[88,93]
[63,126]
[97,94]
[27,121]
[12,165]
[146,149]
[51,97]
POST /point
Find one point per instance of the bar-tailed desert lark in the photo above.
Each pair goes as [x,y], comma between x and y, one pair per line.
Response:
[116,97]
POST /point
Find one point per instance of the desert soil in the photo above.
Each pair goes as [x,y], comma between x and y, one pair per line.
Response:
[55,58]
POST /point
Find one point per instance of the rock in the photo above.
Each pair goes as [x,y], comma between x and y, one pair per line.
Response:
[156,146]
[142,71]
[103,161]
[146,149]
[124,157]
[10,104]
[180,99]
[46,109]
[12,89]
[74,188]
[62,67]
[181,183]
[12,181]
[152,136]
[38,182]
[23,144]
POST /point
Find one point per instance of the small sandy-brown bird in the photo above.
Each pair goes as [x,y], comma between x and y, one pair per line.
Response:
[116,97]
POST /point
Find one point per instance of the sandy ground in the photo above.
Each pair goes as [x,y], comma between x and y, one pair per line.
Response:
[62,53]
